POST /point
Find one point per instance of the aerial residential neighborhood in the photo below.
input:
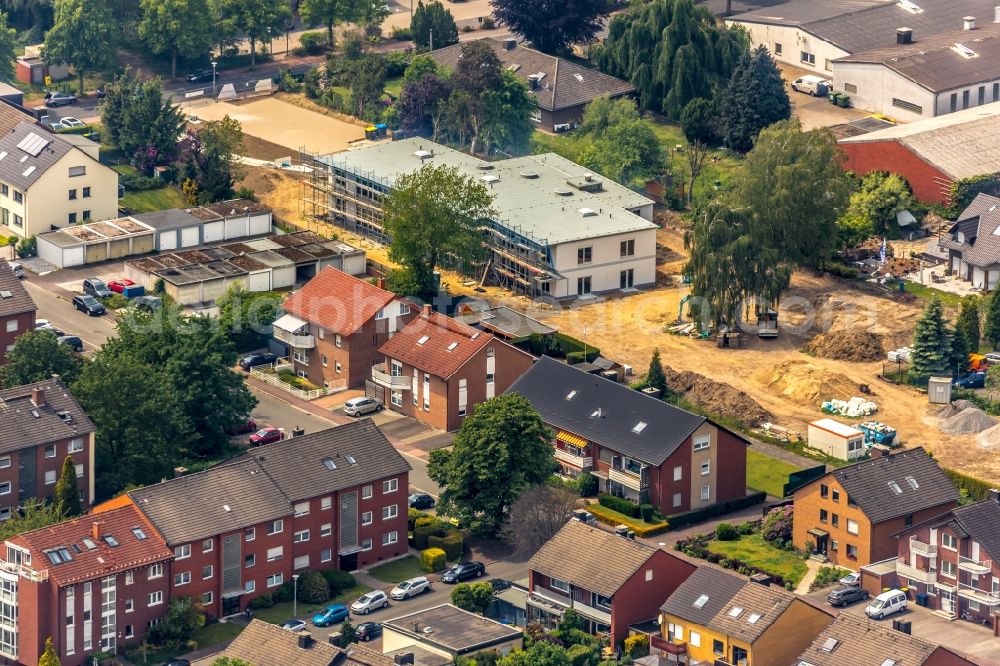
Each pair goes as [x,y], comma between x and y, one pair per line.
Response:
[499,333]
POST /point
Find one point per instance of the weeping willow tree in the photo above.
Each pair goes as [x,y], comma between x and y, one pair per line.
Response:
[672,51]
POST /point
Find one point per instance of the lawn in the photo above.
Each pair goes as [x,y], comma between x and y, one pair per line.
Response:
[280,612]
[612,517]
[926,293]
[398,570]
[767,473]
[756,552]
[146,201]
[207,636]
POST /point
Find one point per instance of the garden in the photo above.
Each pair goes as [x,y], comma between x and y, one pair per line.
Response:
[644,519]
[438,541]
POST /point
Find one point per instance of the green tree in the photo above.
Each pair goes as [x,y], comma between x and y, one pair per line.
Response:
[66,495]
[755,99]
[655,378]
[552,27]
[49,656]
[419,66]
[605,112]
[83,35]
[931,342]
[211,158]
[626,152]
[700,121]
[854,229]
[959,361]
[257,20]
[473,597]
[880,197]
[993,379]
[137,119]
[36,356]
[432,213]
[245,316]
[968,322]
[183,617]
[991,318]
[348,634]
[8,46]
[366,83]
[507,124]
[372,14]
[230,661]
[570,621]
[433,25]
[33,515]
[505,436]
[179,27]
[540,653]
[328,13]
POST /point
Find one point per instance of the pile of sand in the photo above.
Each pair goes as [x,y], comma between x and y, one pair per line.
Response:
[989,438]
[968,421]
[717,398]
[952,408]
[805,383]
[853,344]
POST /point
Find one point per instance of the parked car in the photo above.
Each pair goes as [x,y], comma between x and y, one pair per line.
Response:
[331,615]
[96,288]
[55,98]
[294,625]
[886,603]
[463,571]
[368,631]
[90,305]
[147,303]
[810,84]
[70,121]
[267,436]
[411,588]
[421,501]
[369,602]
[851,579]
[202,75]
[18,270]
[46,325]
[363,405]
[499,584]
[253,360]
[243,428]
[118,286]
[973,380]
[584,516]
[72,341]
[178,662]
[843,596]
[100,92]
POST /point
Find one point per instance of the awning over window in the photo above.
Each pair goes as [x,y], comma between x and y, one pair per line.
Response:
[570,438]
[289,323]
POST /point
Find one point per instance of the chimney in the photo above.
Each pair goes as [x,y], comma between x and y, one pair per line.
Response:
[405,659]
[416,627]
[904,35]
[509,44]
[305,640]
[180,471]
[761,579]
[95,530]
[968,22]
[427,310]
[879,452]
[995,495]
[652,392]
[380,283]
[38,396]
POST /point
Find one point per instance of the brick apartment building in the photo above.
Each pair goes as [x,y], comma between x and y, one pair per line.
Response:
[41,424]
[852,515]
[93,584]
[335,498]
[334,326]
[639,447]
[438,369]
[17,309]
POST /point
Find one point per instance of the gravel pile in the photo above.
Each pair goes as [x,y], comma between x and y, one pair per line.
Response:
[968,421]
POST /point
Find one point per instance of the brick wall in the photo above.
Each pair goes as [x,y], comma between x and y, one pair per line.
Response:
[25,322]
[640,598]
[929,184]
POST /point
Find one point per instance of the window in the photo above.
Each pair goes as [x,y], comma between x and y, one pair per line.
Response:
[322,359]
[207,572]
[852,552]
[396,398]
[701,443]
[852,526]
[628,248]
[835,495]
[249,561]
[908,521]
[86,194]
[11,325]
[79,471]
[824,490]
[326,503]
[301,509]
[72,218]
[300,562]
[50,477]
[275,580]
[337,367]
[206,546]
[390,538]
[694,638]
[366,492]
[584,255]
[181,552]
[953,104]
[86,215]
[276,526]
[649,575]
[982,95]
[389,512]
[366,544]
[249,586]
[823,516]
[18,197]
[129,605]
[947,568]
[129,577]
[275,554]
[75,171]
[949,541]
[677,499]
[5,488]
[4,190]
[366,518]
[427,392]
[326,555]
[718,648]
[834,545]
[182,578]
[706,468]
[907,106]
[326,529]
[76,445]
[155,571]
[678,473]
[390,486]
[206,598]
[337,340]
[850,88]
[18,220]
[560,585]
[706,492]
[50,451]
[583,285]
[835,520]
[301,536]
[72,195]
[155,598]
[965,99]
[807,58]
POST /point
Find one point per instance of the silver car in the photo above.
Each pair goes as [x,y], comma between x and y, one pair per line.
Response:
[369,602]
[362,405]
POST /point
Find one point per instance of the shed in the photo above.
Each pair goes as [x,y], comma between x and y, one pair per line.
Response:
[939,390]
[836,439]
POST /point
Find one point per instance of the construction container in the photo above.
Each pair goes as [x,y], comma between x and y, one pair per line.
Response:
[939,390]
[836,439]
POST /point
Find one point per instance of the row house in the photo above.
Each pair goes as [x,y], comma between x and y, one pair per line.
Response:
[266,644]
[17,309]
[572,571]
[639,447]
[42,424]
[850,516]
[716,617]
[438,369]
[330,499]
[335,325]
[92,584]
[953,560]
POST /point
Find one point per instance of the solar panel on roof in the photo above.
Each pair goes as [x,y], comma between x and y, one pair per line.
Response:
[33,144]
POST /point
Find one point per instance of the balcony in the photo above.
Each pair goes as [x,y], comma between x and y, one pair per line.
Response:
[921,548]
[662,644]
[582,462]
[980,596]
[293,340]
[912,573]
[976,567]
[636,482]
[393,382]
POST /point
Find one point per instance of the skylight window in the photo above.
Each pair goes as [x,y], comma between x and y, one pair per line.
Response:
[329,464]
[76,548]
[910,6]
[423,339]
[578,77]
[701,601]
[596,414]
[895,488]
[110,540]
[30,170]
[139,534]
[89,543]
[735,611]
[829,645]
[54,557]
[65,554]
[964,51]
[571,394]
[913,482]
[350,460]
[639,427]
[889,662]
[754,617]
[452,346]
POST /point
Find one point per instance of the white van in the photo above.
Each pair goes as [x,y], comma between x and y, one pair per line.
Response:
[886,603]
[811,85]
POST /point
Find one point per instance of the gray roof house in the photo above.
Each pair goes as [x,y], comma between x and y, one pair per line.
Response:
[973,243]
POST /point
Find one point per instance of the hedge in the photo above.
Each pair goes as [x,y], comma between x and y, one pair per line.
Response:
[698,515]
[313,588]
[421,534]
[433,559]
[339,581]
[636,646]
[630,509]
[588,356]
[978,490]
[605,515]
[647,511]
[452,543]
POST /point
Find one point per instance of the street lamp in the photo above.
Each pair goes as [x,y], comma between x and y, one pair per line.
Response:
[214,64]
[295,595]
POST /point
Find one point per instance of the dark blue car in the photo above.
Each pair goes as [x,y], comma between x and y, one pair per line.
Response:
[973,380]
[330,615]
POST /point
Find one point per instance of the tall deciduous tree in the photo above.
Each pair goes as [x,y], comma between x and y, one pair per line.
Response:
[968,323]
[880,197]
[552,27]
[66,494]
[433,26]
[138,120]
[432,213]
[700,121]
[245,316]
[537,515]
[423,104]
[83,35]
[473,597]
[257,20]
[49,657]
[500,450]
[931,342]
[8,45]
[755,99]
[328,13]
[211,158]
[36,356]
[366,82]
[991,318]
[605,112]
[178,27]
[626,152]
[33,515]
[507,124]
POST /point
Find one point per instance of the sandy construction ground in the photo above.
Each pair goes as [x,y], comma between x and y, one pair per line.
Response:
[284,124]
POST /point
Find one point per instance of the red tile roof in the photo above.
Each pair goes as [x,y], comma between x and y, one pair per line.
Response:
[101,560]
[338,302]
[436,344]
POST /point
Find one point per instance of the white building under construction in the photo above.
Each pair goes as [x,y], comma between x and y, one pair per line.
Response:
[560,231]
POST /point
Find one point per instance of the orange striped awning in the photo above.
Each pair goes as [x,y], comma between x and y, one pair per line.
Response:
[570,438]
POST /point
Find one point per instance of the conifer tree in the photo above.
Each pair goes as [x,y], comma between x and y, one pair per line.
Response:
[931,342]
[66,495]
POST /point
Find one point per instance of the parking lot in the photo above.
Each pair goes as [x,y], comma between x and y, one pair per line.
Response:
[811,111]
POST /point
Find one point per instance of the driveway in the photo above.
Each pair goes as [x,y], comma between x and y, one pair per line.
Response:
[811,111]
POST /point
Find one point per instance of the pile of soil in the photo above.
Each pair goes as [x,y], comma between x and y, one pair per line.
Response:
[805,383]
[717,398]
[989,438]
[952,408]
[968,421]
[849,345]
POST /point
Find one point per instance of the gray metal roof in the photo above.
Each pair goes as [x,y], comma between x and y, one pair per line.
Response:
[173,218]
[24,424]
[19,300]
[15,165]
[798,12]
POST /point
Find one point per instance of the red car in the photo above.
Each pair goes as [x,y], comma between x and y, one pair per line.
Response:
[266,436]
[243,428]
[118,286]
